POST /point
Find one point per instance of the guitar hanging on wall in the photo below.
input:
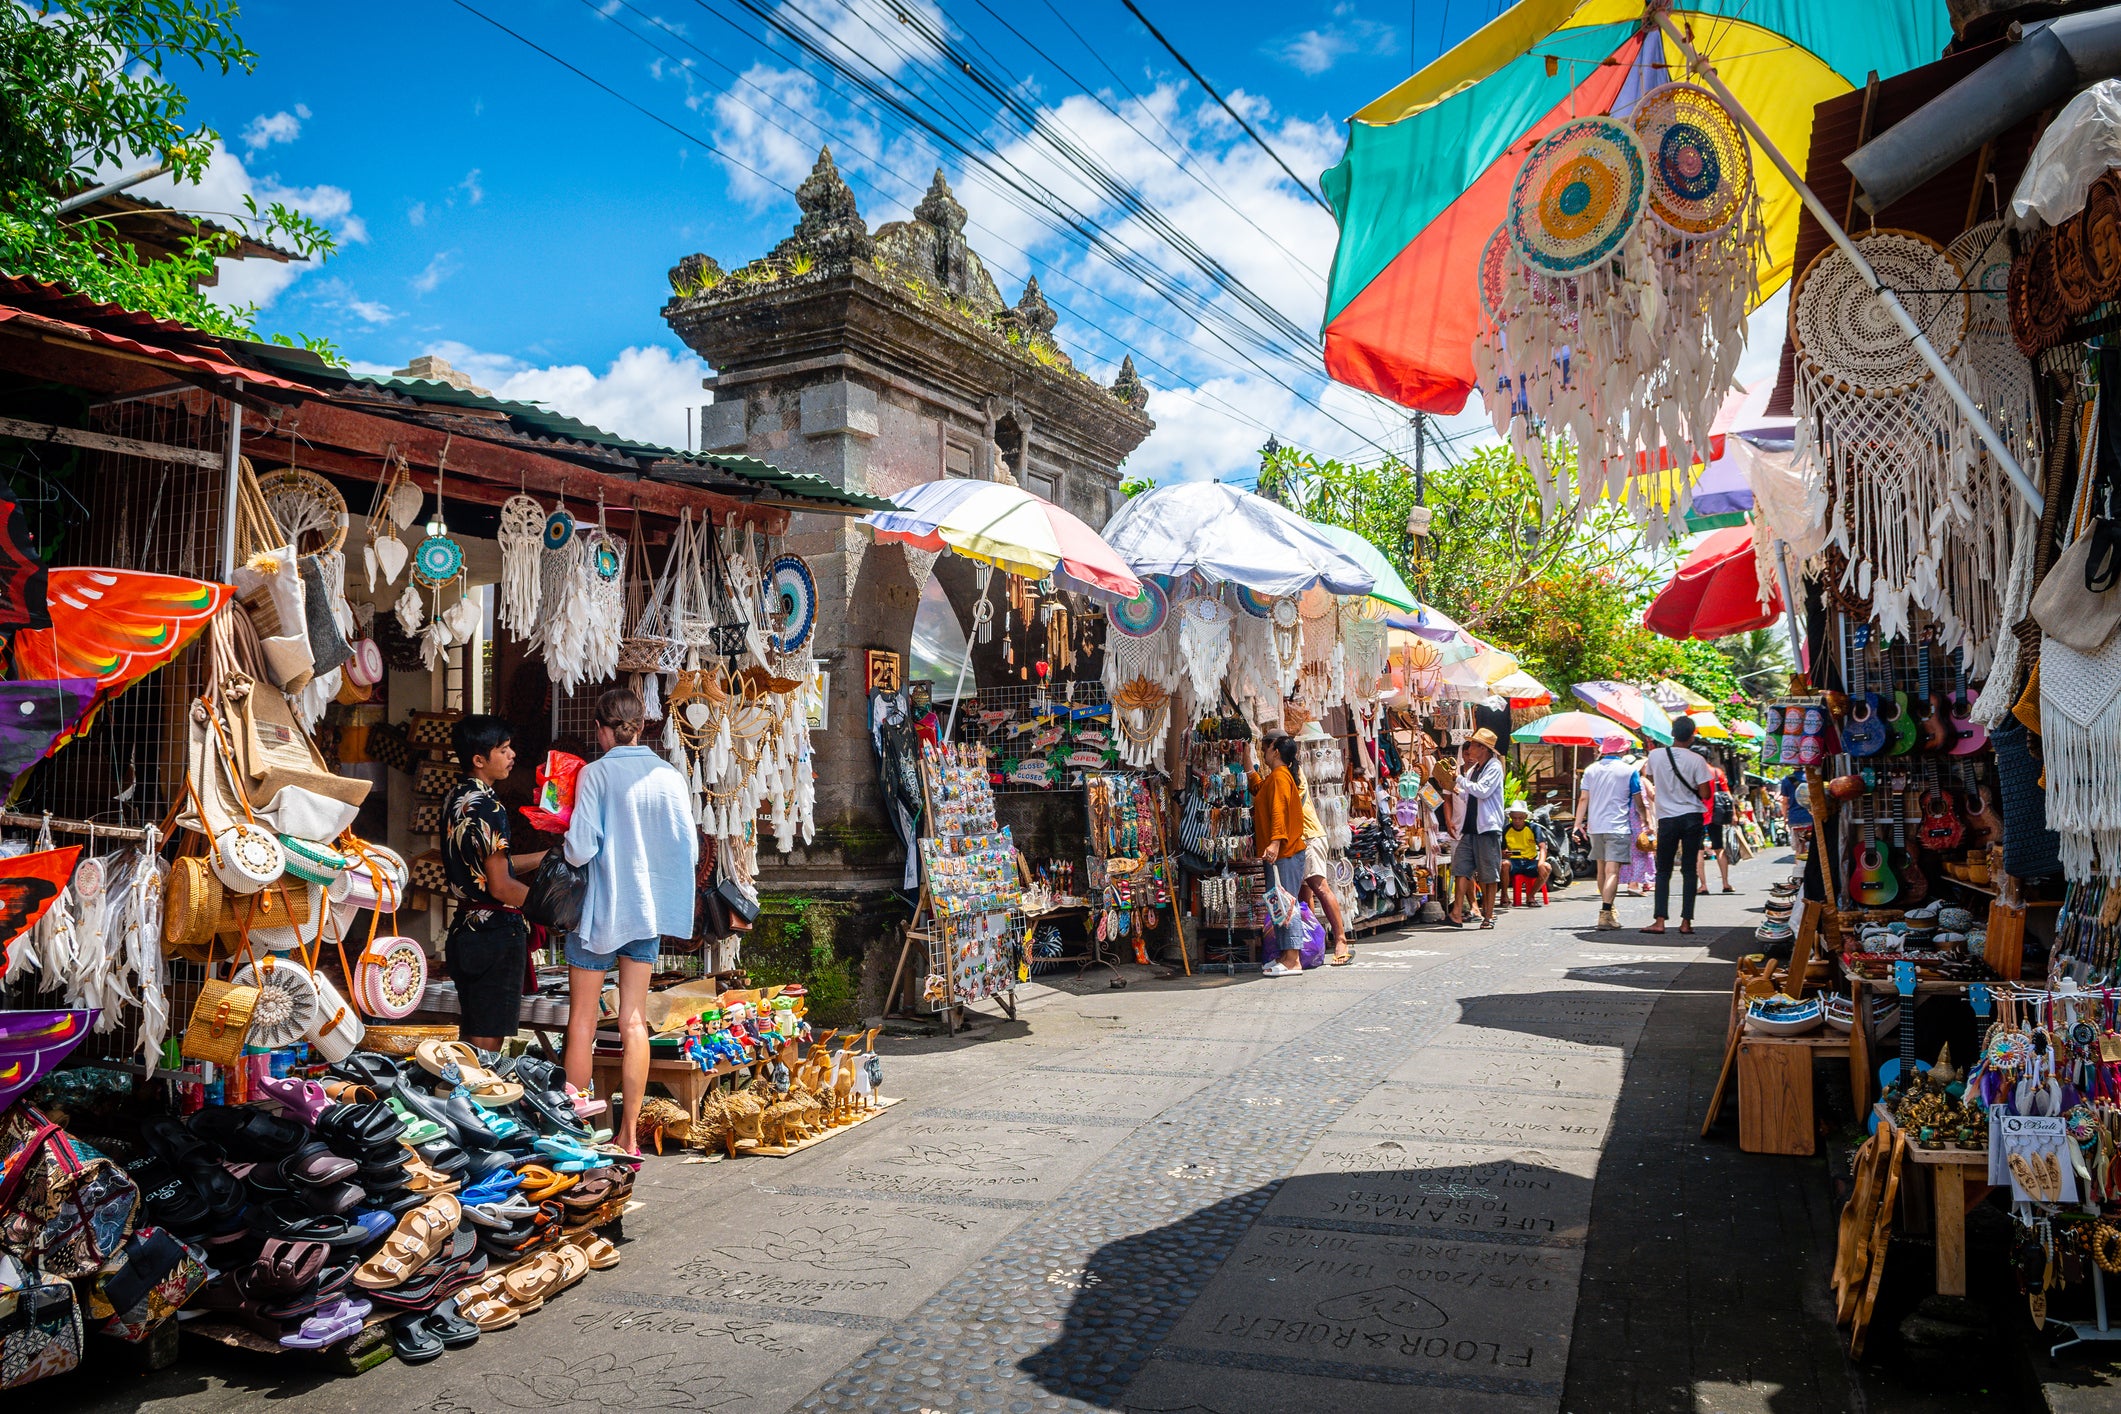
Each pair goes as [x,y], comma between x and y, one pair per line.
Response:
[1940,829]
[1871,882]
[1865,733]
[1933,711]
[1914,884]
[1899,719]
[1970,736]
[1978,814]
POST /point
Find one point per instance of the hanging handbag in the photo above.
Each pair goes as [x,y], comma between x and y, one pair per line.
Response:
[40,1327]
[63,1205]
[2030,849]
[148,1282]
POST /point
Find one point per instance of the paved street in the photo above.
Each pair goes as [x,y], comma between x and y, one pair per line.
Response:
[1370,1187]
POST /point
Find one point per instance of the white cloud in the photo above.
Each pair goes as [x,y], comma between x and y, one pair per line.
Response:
[219,195]
[266,129]
[1313,51]
[873,29]
[440,268]
[473,192]
[337,294]
[642,394]
[417,214]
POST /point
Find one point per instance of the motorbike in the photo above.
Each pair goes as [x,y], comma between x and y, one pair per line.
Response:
[1561,867]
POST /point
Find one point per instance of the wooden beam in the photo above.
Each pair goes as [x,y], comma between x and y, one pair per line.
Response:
[501,470]
[104,442]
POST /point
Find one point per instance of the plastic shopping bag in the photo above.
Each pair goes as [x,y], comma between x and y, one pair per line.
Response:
[555,806]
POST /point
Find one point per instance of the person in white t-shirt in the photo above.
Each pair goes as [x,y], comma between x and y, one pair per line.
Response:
[1679,777]
[1602,817]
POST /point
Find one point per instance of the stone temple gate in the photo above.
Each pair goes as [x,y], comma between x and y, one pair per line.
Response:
[878,361]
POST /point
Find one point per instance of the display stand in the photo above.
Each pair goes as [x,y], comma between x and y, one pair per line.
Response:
[968,917]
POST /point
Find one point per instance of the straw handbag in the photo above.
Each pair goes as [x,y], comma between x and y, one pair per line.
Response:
[220,1022]
[191,901]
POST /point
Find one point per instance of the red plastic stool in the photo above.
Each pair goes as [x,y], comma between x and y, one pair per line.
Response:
[1521,886]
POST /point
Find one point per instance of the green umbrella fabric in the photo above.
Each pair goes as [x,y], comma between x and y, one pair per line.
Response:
[1388,587]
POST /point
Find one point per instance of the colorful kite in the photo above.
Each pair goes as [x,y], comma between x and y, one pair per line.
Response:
[115,626]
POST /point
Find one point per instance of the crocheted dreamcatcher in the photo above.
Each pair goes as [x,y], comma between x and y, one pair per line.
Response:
[1288,644]
[521,536]
[1204,644]
[1873,419]
[1362,638]
[1322,676]
[1144,614]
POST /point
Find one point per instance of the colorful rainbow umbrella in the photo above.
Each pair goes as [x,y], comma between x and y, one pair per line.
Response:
[1426,174]
[1573,729]
[1521,689]
[1629,705]
[1009,528]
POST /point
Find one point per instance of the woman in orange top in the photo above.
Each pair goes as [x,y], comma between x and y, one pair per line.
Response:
[1278,837]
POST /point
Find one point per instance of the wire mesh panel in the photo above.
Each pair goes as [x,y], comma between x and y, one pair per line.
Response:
[1043,738]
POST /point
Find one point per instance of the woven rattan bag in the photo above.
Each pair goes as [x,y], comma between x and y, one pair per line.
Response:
[220,1022]
[191,901]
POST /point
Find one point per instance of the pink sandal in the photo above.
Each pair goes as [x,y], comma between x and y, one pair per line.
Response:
[304,1099]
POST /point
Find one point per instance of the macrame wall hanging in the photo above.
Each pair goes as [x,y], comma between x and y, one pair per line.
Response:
[584,603]
[1875,421]
[1287,620]
[1614,333]
[521,537]
[1362,638]
[1204,644]
[2080,719]
[1142,667]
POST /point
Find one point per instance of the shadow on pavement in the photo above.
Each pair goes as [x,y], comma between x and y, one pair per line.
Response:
[1368,1287]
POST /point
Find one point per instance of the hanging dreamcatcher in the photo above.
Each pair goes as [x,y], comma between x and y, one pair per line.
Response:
[1872,417]
[438,564]
[791,592]
[1322,675]
[1204,645]
[1362,638]
[1288,644]
[1144,615]
[521,536]
[1988,546]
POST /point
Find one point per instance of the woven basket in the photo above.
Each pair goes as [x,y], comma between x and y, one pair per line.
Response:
[434,780]
[403,1040]
[191,901]
[266,909]
[429,731]
[647,654]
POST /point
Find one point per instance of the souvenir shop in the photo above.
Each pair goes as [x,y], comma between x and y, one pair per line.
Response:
[1950,936]
[231,1097]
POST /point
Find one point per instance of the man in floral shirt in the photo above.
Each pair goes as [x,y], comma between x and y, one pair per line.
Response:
[488,940]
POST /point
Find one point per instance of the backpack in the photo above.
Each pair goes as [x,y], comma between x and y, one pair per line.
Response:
[1723,809]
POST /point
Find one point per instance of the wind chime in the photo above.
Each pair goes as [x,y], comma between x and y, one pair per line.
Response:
[1612,332]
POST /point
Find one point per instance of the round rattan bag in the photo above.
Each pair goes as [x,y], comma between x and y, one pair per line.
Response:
[190,903]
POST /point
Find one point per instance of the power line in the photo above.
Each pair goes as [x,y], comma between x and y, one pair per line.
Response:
[1187,64]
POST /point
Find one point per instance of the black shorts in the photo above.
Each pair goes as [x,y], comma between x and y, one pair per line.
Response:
[1712,839]
[486,960]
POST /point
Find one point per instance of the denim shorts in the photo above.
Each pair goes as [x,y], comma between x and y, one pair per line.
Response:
[639,950]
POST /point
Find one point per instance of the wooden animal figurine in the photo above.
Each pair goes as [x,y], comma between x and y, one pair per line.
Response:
[660,1116]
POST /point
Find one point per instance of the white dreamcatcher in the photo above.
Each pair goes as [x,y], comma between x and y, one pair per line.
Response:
[1362,637]
[1322,676]
[1874,419]
[1140,674]
[1204,645]
[521,537]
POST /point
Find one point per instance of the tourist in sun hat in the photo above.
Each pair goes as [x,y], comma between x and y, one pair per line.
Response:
[1477,862]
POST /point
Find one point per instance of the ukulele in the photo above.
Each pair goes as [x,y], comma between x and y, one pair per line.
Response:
[1933,714]
[1977,812]
[1914,884]
[1871,882]
[1939,829]
[1899,720]
[1904,1063]
[1972,736]
[1864,735]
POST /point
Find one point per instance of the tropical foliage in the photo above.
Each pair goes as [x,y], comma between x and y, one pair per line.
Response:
[1567,602]
[84,90]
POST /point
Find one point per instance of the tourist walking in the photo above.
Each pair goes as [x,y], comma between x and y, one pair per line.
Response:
[1277,837]
[1681,780]
[1478,858]
[633,828]
[1603,798]
[1719,817]
[488,941]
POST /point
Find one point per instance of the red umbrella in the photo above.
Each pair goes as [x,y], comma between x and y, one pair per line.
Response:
[1716,592]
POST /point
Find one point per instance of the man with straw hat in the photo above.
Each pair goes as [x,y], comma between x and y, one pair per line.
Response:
[1478,858]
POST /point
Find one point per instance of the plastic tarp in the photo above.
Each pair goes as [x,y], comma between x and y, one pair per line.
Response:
[2083,142]
[1223,534]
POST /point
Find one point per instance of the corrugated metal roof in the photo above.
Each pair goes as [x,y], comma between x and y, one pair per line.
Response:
[1937,209]
[783,482]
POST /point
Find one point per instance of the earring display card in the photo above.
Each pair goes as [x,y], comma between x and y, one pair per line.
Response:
[974,891]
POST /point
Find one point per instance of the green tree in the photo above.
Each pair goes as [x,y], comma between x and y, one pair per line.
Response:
[1567,600]
[85,86]
[1760,660]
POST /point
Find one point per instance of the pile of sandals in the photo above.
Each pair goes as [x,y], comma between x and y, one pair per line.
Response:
[447,1194]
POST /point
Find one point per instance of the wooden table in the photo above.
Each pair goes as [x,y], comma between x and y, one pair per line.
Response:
[1949,1172]
[1775,1090]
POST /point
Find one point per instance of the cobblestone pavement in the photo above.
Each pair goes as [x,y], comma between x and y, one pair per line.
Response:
[1370,1186]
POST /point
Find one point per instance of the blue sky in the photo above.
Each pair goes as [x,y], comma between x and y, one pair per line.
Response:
[505,212]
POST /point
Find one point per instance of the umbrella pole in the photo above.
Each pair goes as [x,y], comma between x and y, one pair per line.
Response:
[1789,608]
[965,665]
[1945,379]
